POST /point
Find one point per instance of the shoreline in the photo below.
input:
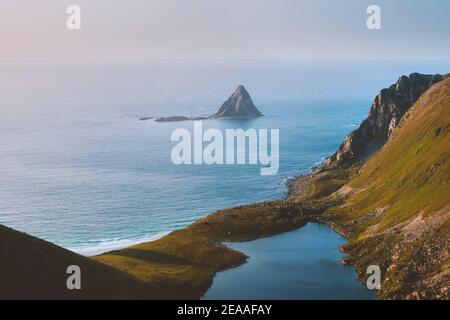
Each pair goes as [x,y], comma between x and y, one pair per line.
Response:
[115,244]
[104,246]
[240,224]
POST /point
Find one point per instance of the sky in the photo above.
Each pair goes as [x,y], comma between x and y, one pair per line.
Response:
[135,30]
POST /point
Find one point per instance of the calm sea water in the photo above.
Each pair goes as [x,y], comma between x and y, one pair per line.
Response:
[77,167]
[301,264]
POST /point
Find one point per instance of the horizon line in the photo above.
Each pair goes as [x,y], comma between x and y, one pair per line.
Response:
[4,61]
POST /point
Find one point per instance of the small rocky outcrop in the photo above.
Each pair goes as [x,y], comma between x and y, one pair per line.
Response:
[145,118]
[238,105]
[385,114]
[179,119]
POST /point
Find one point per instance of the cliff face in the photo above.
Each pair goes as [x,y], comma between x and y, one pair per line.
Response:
[396,210]
[239,104]
[385,114]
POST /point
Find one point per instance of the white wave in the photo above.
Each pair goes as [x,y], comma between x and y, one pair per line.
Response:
[114,244]
[287,180]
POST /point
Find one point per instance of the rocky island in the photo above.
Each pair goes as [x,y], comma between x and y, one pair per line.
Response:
[179,119]
[145,118]
[238,105]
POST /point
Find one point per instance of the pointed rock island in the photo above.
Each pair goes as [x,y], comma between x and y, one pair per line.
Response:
[238,105]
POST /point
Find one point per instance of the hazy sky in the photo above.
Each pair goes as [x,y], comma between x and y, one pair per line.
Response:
[223,29]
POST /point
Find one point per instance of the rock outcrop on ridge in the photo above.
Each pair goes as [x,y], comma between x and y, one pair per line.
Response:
[385,114]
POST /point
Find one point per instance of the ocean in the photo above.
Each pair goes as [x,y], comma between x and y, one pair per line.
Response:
[79,169]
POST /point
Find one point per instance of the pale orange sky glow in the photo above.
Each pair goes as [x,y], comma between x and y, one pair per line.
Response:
[231,29]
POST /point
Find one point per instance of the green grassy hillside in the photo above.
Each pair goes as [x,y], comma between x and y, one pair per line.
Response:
[396,210]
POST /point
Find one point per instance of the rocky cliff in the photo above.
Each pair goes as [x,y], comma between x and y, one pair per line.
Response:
[385,114]
[395,210]
[239,104]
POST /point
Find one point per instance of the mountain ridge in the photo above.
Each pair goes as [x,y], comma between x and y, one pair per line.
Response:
[396,209]
[385,114]
[32,268]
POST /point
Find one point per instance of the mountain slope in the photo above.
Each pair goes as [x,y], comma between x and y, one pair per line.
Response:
[32,268]
[396,211]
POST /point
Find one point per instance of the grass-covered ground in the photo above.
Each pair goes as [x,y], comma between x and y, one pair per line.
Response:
[396,212]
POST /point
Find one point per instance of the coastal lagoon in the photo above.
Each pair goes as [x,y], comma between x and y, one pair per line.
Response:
[301,264]
[79,169]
